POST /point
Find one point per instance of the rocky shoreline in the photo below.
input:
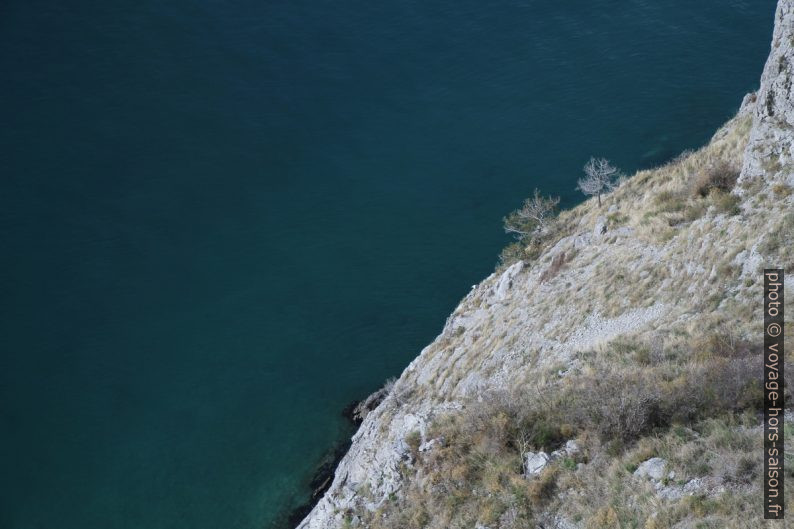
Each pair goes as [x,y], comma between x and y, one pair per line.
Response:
[320,483]
[323,475]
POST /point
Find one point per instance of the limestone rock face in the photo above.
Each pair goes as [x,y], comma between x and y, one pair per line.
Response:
[600,227]
[505,282]
[771,145]
[644,274]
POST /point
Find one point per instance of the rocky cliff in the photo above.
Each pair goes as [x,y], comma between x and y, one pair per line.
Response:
[661,284]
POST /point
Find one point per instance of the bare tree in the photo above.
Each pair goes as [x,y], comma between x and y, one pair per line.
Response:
[599,178]
[533,217]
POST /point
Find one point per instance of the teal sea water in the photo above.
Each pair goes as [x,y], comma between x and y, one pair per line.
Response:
[223,221]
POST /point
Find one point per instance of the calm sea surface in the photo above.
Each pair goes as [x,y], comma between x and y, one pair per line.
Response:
[223,221]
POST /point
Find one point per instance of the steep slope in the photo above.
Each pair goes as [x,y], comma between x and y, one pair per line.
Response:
[660,284]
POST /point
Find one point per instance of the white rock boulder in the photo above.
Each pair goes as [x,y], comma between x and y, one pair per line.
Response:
[535,462]
[653,469]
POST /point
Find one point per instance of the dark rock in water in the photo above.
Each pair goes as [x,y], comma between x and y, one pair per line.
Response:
[321,481]
[363,408]
[348,412]
[323,476]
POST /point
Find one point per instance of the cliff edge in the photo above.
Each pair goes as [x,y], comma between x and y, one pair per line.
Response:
[610,377]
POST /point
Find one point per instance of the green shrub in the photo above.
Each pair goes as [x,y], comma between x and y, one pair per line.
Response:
[526,249]
[512,253]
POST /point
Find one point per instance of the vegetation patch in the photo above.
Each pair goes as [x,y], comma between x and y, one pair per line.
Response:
[726,203]
[625,403]
[782,190]
[720,175]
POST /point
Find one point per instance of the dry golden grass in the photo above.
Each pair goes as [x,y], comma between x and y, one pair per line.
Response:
[625,403]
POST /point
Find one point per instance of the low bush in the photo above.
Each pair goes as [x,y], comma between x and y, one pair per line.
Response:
[534,225]
[720,175]
[528,248]
[619,398]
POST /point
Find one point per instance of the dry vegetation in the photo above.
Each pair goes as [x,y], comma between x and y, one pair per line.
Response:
[719,175]
[685,388]
[690,400]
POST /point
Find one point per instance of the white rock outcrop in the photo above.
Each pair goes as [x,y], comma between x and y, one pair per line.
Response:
[653,469]
[535,462]
[771,145]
